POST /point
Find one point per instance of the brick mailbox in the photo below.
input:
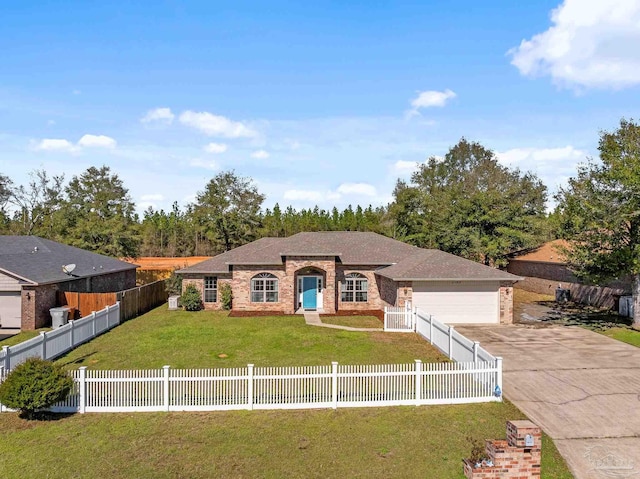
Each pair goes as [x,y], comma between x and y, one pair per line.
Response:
[516,458]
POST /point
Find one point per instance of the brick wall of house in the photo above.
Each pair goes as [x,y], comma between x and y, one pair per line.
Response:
[405,292]
[388,290]
[38,300]
[544,278]
[296,265]
[506,302]
[374,301]
[198,281]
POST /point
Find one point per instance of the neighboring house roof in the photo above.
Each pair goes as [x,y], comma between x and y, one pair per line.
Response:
[398,260]
[545,253]
[39,261]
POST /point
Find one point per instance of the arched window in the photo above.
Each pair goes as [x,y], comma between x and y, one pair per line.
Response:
[354,288]
[264,288]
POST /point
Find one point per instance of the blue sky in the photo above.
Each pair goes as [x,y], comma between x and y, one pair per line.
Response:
[320,102]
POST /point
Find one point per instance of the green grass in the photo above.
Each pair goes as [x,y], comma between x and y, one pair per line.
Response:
[398,442]
[197,340]
[353,321]
[626,335]
[20,337]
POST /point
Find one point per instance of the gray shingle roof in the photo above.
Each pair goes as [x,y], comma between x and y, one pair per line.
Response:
[397,259]
[40,261]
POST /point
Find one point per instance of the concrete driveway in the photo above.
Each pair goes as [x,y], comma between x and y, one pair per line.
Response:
[581,387]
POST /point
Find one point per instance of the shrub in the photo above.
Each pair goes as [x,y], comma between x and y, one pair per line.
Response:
[174,283]
[226,296]
[191,299]
[34,385]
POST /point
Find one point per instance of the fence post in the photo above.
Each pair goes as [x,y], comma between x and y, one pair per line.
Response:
[431,329]
[93,324]
[43,345]
[7,359]
[499,375]
[418,382]
[250,387]
[108,317]
[385,318]
[82,390]
[72,334]
[476,344]
[415,319]
[165,389]
[450,342]
[334,384]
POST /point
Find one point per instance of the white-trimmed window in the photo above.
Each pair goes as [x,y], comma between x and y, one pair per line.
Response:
[355,288]
[264,288]
[210,289]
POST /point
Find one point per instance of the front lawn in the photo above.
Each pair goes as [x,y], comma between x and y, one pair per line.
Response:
[353,321]
[22,336]
[210,339]
[396,442]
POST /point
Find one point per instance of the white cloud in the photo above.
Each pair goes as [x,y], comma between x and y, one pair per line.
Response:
[54,144]
[163,115]
[97,141]
[206,164]
[538,157]
[405,167]
[260,155]
[591,44]
[431,98]
[360,189]
[215,125]
[215,148]
[152,197]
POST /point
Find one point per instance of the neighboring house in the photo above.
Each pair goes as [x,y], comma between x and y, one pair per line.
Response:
[545,268]
[31,274]
[334,272]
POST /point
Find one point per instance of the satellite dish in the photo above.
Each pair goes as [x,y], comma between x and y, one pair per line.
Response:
[68,268]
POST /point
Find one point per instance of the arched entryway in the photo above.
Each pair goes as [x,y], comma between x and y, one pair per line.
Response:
[310,289]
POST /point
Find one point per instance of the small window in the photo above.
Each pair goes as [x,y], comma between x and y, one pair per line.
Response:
[355,288]
[264,288]
[210,289]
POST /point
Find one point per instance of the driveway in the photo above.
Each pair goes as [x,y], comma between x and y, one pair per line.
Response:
[581,387]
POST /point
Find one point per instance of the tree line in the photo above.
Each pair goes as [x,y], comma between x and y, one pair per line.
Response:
[466,203]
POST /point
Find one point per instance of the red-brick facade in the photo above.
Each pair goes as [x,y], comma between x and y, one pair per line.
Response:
[381,291]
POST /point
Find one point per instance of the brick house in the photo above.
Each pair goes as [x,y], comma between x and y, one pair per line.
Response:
[31,274]
[544,268]
[340,272]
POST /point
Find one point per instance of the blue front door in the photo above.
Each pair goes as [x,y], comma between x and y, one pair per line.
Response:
[309,293]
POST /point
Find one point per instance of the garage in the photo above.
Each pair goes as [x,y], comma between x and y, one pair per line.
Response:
[459,301]
[10,309]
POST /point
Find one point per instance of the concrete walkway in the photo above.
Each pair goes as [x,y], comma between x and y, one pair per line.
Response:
[581,387]
[313,319]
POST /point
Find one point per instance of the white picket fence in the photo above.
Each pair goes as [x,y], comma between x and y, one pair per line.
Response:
[399,319]
[52,344]
[334,386]
[456,346]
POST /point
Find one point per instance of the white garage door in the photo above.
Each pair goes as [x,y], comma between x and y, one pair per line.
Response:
[10,306]
[459,301]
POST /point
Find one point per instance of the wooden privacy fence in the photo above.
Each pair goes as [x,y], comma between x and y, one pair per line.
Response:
[133,302]
[330,386]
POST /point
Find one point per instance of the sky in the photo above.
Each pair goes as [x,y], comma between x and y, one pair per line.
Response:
[325,103]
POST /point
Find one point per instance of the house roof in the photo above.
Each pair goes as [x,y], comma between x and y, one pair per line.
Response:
[436,265]
[398,260]
[545,253]
[39,261]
